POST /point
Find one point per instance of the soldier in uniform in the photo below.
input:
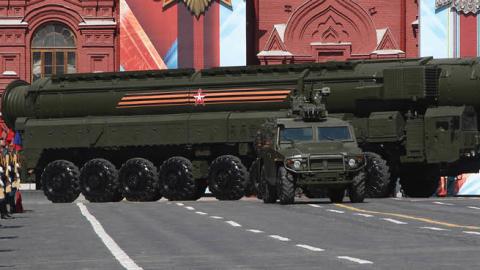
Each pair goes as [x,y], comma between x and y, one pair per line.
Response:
[7,185]
[3,190]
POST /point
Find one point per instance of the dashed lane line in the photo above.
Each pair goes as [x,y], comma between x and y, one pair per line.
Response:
[254,231]
[363,215]
[108,241]
[233,223]
[280,238]
[180,204]
[316,205]
[285,239]
[395,221]
[443,203]
[335,211]
[470,232]
[434,228]
[421,219]
[356,260]
[473,207]
[310,247]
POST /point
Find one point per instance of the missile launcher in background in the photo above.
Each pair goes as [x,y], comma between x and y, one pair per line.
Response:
[420,115]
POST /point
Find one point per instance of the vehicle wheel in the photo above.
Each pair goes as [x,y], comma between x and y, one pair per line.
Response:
[227,177]
[420,182]
[378,176]
[99,181]
[269,192]
[177,179]
[336,195]
[139,179]
[356,190]
[253,182]
[118,197]
[60,181]
[286,186]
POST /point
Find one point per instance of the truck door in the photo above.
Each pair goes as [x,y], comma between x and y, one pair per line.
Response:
[442,139]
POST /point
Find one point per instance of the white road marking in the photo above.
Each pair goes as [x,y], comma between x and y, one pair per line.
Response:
[189,208]
[180,204]
[335,211]
[201,213]
[443,203]
[362,215]
[316,205]
[434,228]
[233,223]
[357,260]
[278,237]
[216,217]
[473,207]
[471,232]
[310,247]
[254,231]
[394,221]
[108,241]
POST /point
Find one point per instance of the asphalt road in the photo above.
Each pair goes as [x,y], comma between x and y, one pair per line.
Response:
[207,234]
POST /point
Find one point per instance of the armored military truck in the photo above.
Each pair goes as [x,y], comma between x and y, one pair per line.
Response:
[310,155]
[310,151]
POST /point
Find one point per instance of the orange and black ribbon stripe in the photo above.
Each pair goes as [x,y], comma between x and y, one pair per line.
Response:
[223,96]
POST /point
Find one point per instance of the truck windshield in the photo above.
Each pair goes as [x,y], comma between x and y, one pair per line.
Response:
[296,134]
[334,134]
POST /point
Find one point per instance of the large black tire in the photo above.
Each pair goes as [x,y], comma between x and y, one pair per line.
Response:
[99,181]
[60,181]
[420,181]
[177,180]
[336,194]
[269,192]
[251,187]
[378,179]
[139,180]
[357,190]
[286,186]
[227,177]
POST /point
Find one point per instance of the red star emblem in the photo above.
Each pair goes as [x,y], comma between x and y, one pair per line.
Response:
[199,98]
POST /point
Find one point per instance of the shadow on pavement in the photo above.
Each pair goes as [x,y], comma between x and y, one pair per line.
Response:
[11,227]
[8,237]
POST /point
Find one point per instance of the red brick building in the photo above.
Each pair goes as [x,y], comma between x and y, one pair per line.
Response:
[43,37]
[294,31]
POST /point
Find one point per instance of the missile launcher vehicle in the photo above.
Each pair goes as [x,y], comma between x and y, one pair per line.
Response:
[146,134]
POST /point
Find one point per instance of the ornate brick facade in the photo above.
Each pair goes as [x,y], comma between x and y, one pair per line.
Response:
[93,23]
[294,31]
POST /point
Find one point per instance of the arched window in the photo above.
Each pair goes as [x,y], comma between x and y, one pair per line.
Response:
[53,51]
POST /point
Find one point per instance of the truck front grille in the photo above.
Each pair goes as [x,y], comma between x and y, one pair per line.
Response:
[330,163]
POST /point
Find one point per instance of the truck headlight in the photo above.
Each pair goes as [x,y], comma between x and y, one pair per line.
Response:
[297,164]
[352,163]
[355,161]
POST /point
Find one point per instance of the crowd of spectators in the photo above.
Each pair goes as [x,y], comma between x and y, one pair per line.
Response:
[10,197]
